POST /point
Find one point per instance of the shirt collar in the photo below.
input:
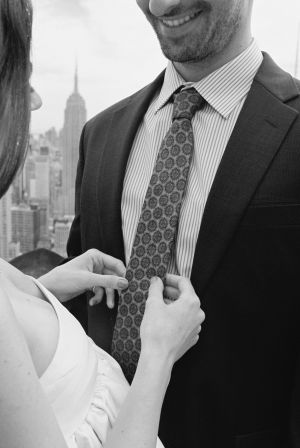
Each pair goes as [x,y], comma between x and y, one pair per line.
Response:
[223,88]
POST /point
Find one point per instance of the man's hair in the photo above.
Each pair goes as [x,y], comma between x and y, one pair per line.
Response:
[15,70]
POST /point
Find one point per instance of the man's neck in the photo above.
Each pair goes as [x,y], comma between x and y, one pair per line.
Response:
[195,71]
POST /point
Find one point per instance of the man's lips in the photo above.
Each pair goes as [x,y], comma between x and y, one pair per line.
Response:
[180,20]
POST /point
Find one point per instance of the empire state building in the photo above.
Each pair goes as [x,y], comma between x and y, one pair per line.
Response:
[75,118]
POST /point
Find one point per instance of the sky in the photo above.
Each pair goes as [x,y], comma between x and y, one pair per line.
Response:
[118,53]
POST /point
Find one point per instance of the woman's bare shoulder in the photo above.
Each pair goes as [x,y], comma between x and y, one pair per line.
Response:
[23,404]
[14,275]
[9,324]
[35,319]
[19,280]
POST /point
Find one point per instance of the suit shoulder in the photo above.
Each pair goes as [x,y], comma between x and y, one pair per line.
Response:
[295,100]
[297,83]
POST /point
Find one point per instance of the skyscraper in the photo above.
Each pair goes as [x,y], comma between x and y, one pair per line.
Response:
[75,118]
[61,232]
[42,174]
[5,224]
[25,226]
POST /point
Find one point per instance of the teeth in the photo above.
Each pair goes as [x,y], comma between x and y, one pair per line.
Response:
[178,22]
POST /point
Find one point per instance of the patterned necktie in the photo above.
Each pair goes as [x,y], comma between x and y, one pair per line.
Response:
[156,231]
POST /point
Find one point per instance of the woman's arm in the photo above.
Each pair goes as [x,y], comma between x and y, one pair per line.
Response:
[93,270]
[167,332]
[20,280]
[138,421]
[26,419]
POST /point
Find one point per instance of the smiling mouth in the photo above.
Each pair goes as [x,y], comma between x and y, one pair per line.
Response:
[175,23]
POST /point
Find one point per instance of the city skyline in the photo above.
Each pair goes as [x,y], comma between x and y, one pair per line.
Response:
[75,118]
[110,38]
[38,209]
[42,198]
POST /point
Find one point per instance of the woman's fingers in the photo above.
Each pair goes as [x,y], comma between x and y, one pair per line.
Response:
[99,294]
[105,281]
[171,293]
[104,263]
[110,297]
[97,298]
[181,284]
[178,282]
[114,265]
[98,282]
[175,286]
[156,288]
[172,280]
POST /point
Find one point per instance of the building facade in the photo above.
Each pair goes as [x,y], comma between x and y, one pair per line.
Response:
[5,225]
[25,224]
[61,233]
[75,118]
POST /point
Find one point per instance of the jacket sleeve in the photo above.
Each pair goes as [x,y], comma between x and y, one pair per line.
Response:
[74,247]
[77,306]
[295,410]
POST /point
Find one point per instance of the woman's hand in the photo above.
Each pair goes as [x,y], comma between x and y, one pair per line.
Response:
[170,329]
[91,271]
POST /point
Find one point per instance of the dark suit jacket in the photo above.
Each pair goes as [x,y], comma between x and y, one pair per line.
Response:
[239,386]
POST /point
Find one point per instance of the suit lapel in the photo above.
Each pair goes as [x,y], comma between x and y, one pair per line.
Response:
[257,136]
[120,136]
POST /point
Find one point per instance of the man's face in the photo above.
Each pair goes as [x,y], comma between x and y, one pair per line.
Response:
[193,30]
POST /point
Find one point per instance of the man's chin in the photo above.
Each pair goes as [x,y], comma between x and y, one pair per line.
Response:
[180,55]
[181,50]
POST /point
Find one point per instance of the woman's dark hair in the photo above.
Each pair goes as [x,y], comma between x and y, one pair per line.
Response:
[15,70]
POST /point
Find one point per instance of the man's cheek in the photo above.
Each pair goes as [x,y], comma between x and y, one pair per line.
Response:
[143,4]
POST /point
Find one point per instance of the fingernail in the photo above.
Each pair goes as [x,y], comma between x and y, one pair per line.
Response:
[122,283]
[153,280]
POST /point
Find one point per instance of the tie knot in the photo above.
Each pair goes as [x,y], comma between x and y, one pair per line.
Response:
[186,103]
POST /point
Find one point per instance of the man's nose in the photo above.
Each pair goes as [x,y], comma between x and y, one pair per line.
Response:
[162,7]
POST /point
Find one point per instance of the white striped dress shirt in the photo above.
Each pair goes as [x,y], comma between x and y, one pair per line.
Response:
[225,91]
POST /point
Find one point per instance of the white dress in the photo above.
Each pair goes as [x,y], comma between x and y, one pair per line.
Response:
[84,385]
